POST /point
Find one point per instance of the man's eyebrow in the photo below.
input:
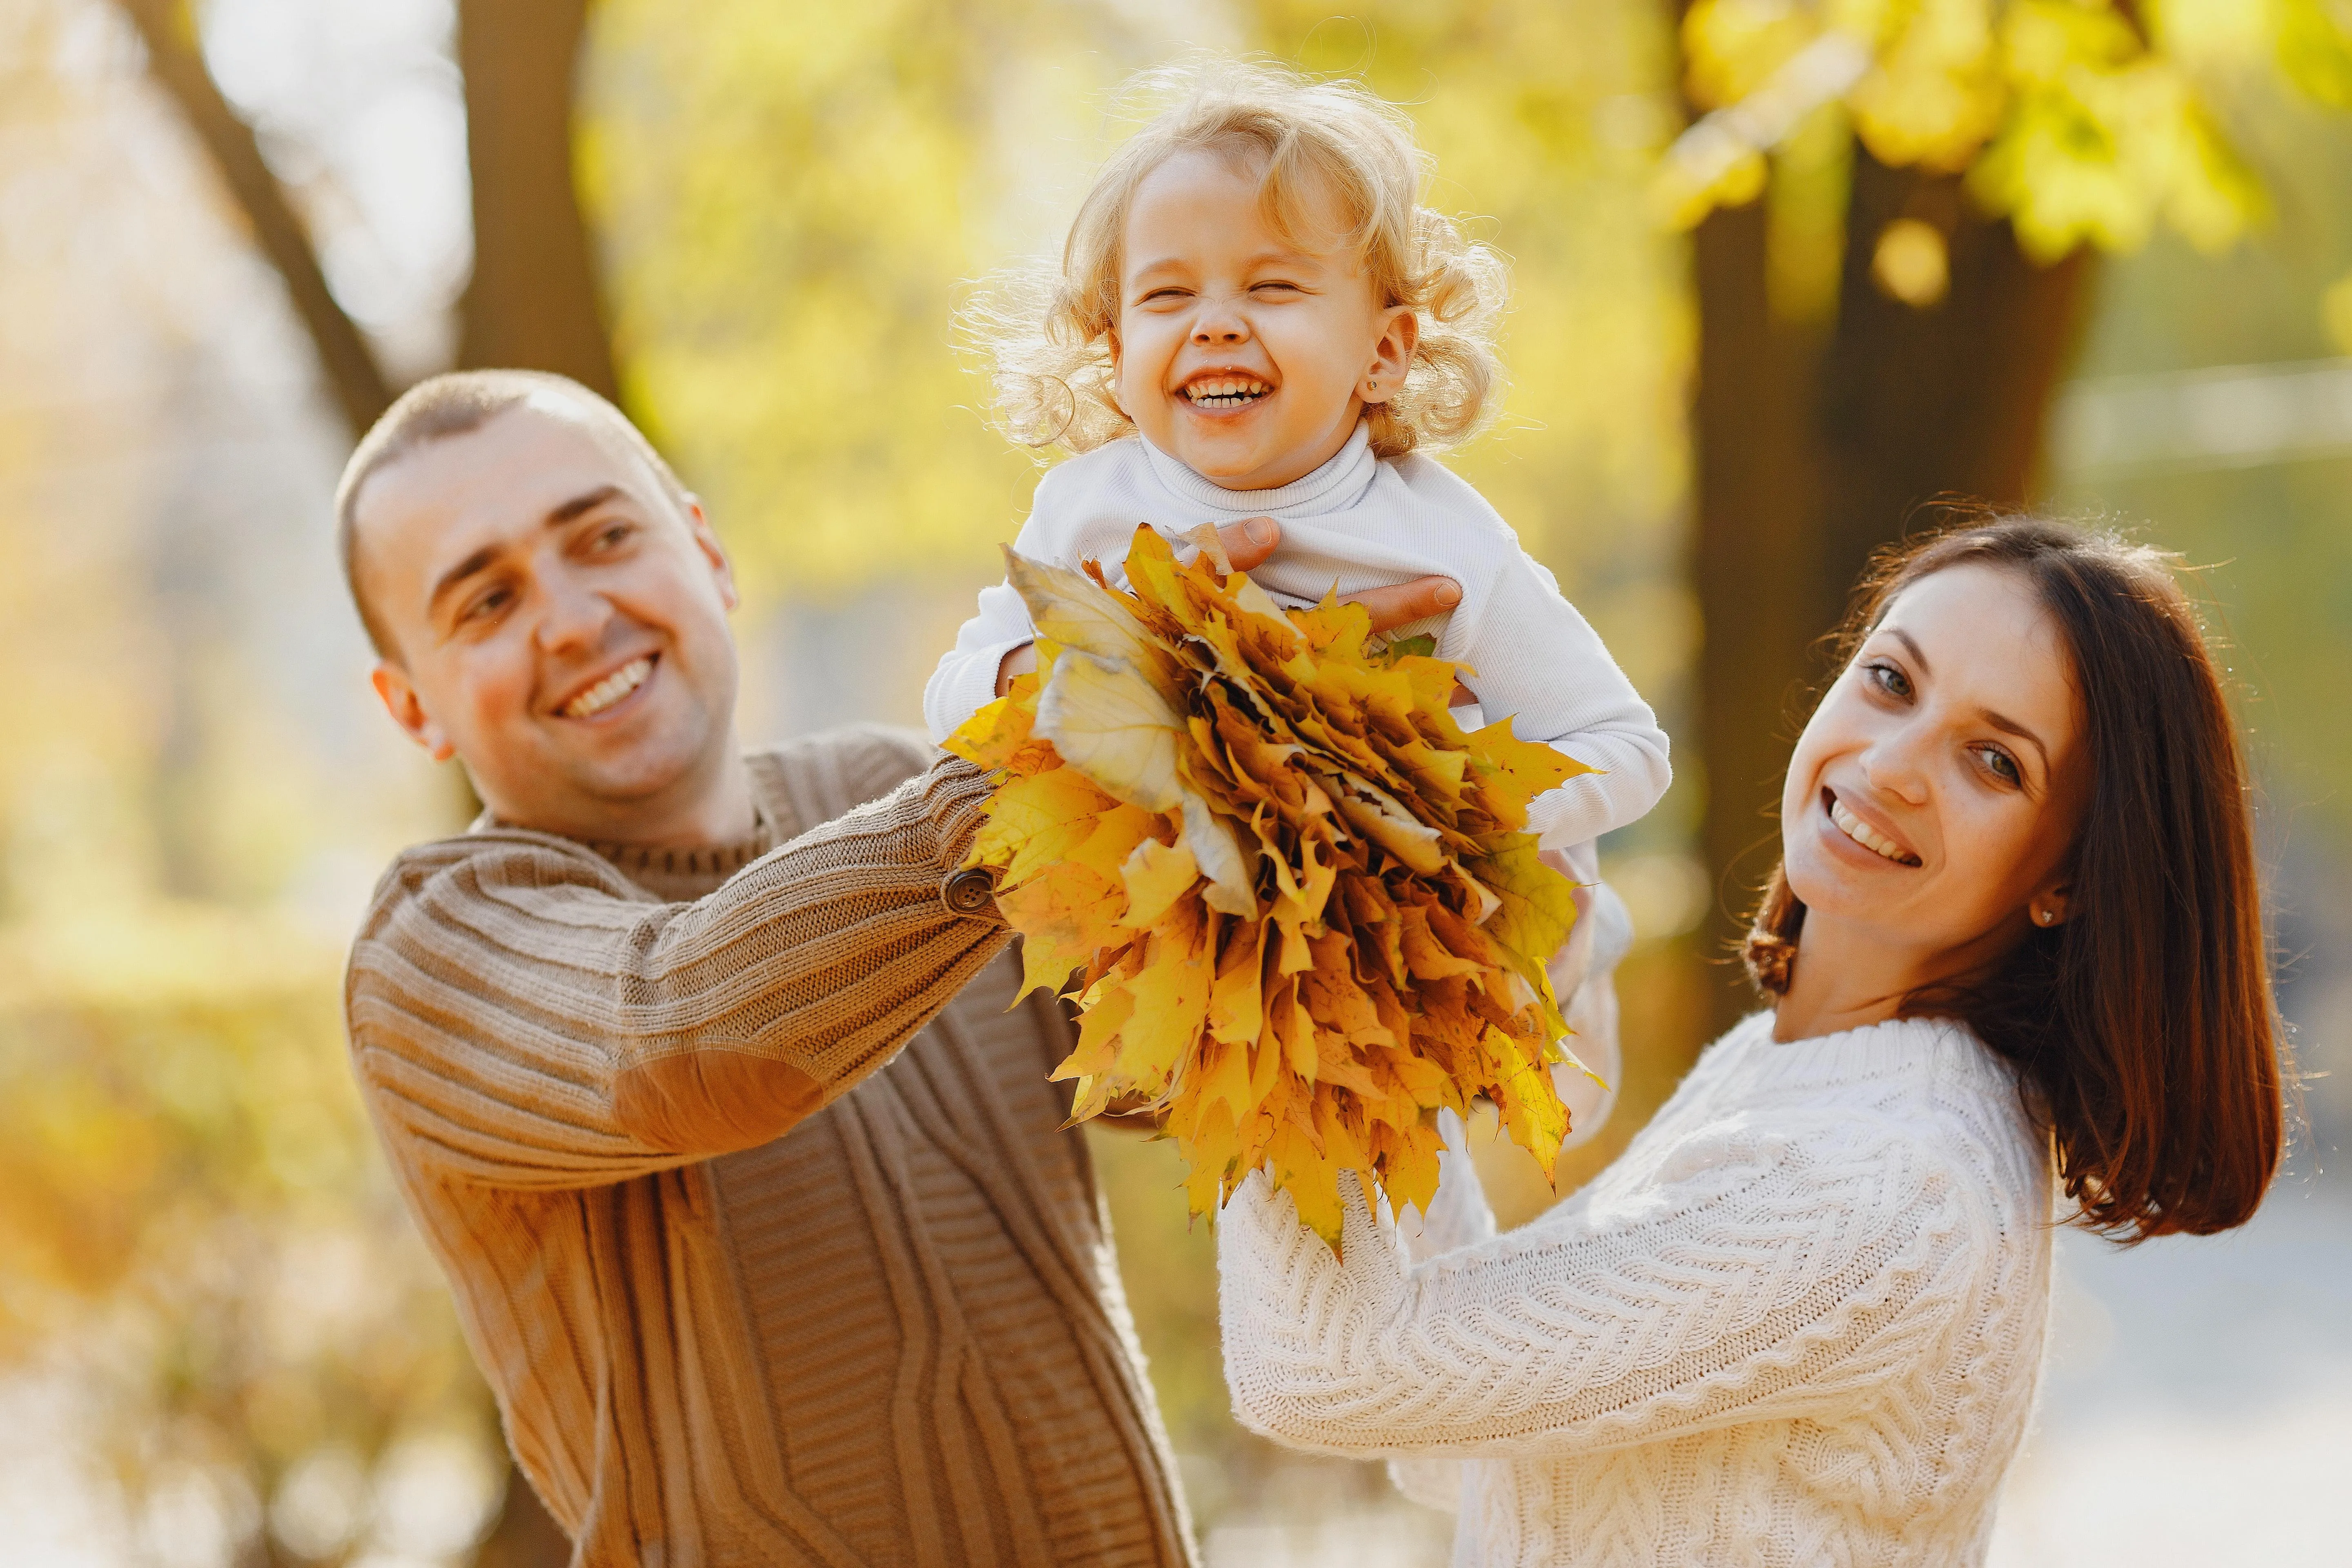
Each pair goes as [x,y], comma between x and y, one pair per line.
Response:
[580,504]
[480,561]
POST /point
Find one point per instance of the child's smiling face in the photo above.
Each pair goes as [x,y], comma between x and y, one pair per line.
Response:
[1238,351]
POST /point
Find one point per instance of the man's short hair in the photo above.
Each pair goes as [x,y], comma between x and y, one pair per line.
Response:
[443,405]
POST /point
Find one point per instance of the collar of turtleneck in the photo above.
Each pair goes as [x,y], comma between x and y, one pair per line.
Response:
[679,875]
[1331,488]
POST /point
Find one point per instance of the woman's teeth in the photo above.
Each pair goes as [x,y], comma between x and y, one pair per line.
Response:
[1861,833]
[1226,391]
[610,689]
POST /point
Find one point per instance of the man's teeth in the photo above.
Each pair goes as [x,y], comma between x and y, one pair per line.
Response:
[1226,391]
[1861,833]
[610,689]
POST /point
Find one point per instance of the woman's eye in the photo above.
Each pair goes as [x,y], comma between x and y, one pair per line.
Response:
[2000,764]
[613,535]
[1889,679]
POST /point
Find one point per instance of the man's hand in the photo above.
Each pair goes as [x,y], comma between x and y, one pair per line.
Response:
[1248,543]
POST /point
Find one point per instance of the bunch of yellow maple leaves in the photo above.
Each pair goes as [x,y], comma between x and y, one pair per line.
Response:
[1298,899]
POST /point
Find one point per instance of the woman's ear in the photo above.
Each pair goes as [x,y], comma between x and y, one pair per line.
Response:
[2050,906]
[1392,356]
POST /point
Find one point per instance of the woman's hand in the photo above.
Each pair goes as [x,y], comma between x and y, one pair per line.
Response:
[1248,543]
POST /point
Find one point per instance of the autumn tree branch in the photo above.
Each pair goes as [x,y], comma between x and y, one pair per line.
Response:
[176,61]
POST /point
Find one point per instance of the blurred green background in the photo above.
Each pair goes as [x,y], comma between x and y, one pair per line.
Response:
[225,230]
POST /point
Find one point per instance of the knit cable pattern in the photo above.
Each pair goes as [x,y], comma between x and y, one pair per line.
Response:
[1799,1320]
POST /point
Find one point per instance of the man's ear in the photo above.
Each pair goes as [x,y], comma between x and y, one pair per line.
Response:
[707,537]
[1392,356]
[392,685]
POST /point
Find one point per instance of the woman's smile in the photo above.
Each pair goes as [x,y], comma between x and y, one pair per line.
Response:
[1881,843]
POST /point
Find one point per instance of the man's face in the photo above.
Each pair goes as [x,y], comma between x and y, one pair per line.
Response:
[557,623]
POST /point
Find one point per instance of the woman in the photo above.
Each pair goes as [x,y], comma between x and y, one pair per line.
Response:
[2014,934]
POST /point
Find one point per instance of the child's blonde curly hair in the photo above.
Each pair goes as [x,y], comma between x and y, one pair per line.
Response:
[1047,333]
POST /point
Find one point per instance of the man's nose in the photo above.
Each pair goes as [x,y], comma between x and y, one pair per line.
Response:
[574,616]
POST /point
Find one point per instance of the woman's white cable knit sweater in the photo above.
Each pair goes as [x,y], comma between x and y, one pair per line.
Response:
[1799,1321]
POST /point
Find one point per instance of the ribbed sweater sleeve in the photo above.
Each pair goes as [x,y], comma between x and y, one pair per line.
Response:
[1767,1275]
[529,1018]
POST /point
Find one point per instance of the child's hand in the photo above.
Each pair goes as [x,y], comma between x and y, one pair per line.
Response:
[1247,544]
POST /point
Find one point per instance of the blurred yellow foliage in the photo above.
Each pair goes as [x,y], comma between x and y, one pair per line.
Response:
[2083,122]
[788,193]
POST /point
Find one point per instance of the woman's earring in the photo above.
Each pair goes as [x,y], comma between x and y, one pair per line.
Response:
[2045,916]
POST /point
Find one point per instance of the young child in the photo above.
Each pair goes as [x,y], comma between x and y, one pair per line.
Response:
[1256,317]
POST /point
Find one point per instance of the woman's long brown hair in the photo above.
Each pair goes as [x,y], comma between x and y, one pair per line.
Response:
[2142,1028]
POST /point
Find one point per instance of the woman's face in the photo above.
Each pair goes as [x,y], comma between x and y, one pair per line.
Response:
[1932,801]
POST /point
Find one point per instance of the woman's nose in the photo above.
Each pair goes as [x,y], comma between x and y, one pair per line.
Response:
[1895,767]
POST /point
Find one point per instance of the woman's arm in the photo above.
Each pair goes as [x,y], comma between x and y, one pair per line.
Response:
[526,1016]
[1767,1275]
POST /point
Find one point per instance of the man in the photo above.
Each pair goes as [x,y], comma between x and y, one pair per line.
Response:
[743,1296]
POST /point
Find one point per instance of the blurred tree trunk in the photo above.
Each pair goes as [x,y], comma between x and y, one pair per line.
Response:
[534,300]
[168,28]
[1814,450]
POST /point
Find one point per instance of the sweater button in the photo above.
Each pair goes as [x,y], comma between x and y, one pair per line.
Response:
[970,891]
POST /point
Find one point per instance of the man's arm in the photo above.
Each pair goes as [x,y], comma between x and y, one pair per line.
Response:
[518,1011]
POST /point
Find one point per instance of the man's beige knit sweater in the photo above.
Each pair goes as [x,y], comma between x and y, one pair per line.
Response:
[743,1297]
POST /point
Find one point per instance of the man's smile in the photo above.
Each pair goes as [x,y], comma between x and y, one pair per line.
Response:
[612,689]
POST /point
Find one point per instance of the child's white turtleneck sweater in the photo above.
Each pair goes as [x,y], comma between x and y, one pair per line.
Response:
[1356,522]
[1799,1321]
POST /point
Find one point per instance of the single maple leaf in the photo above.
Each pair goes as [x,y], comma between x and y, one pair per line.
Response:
[1295,902]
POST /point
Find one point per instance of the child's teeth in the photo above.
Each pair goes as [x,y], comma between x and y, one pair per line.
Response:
[1224,392]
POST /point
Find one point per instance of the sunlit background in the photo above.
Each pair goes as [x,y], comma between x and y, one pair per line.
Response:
[219,1341]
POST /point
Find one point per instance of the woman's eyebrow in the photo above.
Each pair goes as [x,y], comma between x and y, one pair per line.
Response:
[2000,722]
[2009,726]
[1899,634]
